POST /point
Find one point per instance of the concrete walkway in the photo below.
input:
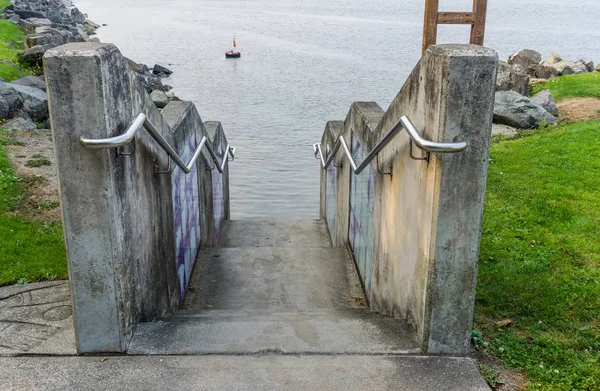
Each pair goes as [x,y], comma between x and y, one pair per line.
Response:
[36,319]
[275,307]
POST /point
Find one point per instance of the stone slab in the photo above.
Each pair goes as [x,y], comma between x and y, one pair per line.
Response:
[269,372]
[272,278]
[36,318]
[274,233]
[351,332]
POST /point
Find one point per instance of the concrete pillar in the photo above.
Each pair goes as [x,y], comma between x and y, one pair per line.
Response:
[117,214]
[427,214]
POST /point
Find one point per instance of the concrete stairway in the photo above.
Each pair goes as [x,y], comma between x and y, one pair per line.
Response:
[277,288]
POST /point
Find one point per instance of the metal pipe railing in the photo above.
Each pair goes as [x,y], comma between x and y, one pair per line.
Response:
[141,121]
[403,123]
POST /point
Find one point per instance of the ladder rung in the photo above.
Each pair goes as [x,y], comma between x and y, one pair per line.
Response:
[456,18]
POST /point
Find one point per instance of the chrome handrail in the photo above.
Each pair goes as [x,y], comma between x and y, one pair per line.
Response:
[403,123]
[141,121]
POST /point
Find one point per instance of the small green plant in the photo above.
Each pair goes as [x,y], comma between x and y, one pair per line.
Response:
[38,156]
[38,163]
[490,375]
[22,281]
[47,205]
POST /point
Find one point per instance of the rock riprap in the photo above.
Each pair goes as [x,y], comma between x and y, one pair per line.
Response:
[512,78]
[545,99]
[518,111]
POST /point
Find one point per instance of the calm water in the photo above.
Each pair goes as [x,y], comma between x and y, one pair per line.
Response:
[303,63]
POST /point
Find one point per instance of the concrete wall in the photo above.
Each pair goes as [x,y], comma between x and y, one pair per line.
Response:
[127,262]
[426,216]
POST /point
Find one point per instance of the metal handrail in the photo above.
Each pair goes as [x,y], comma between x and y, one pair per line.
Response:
[141,121]
[403,123]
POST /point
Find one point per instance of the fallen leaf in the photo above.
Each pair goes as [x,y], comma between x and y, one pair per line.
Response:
[104,359]
[503,322]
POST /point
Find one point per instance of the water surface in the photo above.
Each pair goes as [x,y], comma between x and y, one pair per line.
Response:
[303,63]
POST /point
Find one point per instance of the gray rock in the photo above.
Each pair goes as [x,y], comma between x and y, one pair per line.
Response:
[552,59]
[35,102]
[598,68]
[26,14]
[158,69]
[159,98]
[546,100]
[518,111]
[15,19]
[31,81]
[542,71]
[39,22]
[150,82]
[583,66]
[138,67]
[504,130]
[589,64]
[89,26]
[512,78]
[9,101]
[564,67]
[525,58]
[33,56]
[77,16]
[19,124]
[48,39]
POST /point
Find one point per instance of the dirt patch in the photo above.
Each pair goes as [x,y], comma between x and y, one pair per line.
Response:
[508,380]
[32,156]
[579,109]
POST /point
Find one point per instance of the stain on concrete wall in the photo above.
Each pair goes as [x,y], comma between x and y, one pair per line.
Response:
[331,198]
[218,198]
[362,204]
[186,218]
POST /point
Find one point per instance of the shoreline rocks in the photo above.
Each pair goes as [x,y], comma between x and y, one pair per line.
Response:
[51,23]
[518,111]
[513,106]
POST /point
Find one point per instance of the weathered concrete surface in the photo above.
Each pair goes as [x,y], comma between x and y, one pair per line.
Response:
[327,332]
[214,129]
[273,278]
[241,373]
[362,119]
[117,218]
[330,137]
[274,233]
[430,213]
[300,299]
[36,318]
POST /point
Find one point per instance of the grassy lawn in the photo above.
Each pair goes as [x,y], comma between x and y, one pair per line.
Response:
[572,86]
[11,41]
[30,250]
[540,252]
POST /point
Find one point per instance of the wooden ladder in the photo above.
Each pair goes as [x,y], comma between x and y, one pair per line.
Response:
[432,18]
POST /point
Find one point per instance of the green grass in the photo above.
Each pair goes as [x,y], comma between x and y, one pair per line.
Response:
[581,86]
[38,162]
[30,250]
[4,3]
[11,42]
[540,257]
